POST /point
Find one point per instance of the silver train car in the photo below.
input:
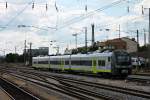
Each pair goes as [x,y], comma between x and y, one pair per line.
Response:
[113,63]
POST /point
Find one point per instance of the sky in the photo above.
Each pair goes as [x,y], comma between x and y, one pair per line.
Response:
[20,21]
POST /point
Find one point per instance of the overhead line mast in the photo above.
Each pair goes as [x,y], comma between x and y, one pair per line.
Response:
[149,41]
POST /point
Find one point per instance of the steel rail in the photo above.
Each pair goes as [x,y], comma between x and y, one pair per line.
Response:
[133,92]
[7,93]
[16,92]
[81,93]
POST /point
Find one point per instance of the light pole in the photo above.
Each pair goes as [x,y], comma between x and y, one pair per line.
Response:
[25,51]
[149,42]
[51,43]
[57,49]
[30,58]
[25,44]
[86,40]
[75,35]
[148,52]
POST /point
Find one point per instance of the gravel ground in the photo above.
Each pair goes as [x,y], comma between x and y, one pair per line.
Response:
[115,95]
[114,82]
[120,83]
[44,93]
[3,95]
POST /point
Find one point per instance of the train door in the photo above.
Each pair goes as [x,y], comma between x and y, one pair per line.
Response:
[94,65]
[62,64]
[49,64]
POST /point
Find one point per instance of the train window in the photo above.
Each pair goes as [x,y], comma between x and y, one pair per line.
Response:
[108,59]
[75,62]
[66,62]
[101,62]
[94,63]
[55,62]
[35,62]
[83,62]
[43,62]
[89,63]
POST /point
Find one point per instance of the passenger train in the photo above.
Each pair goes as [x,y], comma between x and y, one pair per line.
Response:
[113,63]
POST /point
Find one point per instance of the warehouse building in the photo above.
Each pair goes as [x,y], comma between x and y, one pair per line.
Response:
[130,45]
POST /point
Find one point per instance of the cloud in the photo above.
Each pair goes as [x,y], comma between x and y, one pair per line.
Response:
[40,18]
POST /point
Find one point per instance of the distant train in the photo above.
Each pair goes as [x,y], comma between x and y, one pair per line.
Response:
[112,63]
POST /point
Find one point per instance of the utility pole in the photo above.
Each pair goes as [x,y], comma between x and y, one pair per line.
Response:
[25,52]
[15,49]
[149,26]
[93,39]
[138,38]
[86,40]
[144,38]
[138,44]
[30,59]
[137,48]
[149,42]
[119,31]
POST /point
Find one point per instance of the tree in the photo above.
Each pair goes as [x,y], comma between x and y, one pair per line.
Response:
[10,58]
[143,48]
[93,48]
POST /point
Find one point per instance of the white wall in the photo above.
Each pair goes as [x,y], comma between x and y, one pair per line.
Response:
[131,45]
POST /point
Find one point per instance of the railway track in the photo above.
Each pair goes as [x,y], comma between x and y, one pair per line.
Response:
[77,92]
[139,78]
[15,92]
[143,74]
[69,81]
[5,95]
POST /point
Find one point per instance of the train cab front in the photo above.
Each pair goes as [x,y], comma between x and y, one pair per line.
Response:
[122,63]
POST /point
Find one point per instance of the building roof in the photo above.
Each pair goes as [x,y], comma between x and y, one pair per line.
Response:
[133,39]
[117,41]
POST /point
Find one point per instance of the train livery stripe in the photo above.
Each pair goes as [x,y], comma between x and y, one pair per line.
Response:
[80,69]
[104,70]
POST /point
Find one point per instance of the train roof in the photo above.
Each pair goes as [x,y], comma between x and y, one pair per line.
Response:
[77,55]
